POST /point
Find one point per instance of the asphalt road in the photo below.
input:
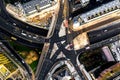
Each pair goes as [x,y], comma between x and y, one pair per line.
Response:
[7,28]
[104,33]
[8,48]
[14,28]
[20,24]
[10,32]
[48,63]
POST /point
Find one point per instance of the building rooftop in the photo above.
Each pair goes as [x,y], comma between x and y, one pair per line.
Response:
[111,73]
[32,5]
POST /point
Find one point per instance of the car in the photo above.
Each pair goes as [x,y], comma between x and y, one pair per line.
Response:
[24,34]
[14,24]
[118,49]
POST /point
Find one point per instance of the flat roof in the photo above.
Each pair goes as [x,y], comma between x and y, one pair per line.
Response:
[31,5]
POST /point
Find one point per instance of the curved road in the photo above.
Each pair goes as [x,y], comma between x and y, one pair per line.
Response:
[7,28]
